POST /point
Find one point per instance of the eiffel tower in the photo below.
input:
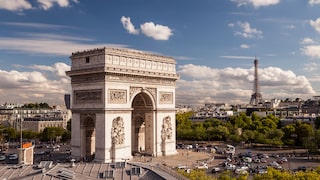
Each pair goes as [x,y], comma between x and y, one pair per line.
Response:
[256,97]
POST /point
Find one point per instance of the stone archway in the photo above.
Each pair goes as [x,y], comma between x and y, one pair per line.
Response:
[142,123]
[89,134]
[120,98]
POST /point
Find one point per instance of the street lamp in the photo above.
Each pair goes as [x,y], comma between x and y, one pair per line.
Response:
[21,146]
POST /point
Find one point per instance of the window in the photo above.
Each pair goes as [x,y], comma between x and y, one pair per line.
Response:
[87,60]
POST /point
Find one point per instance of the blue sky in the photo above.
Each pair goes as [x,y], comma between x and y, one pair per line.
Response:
[213,41]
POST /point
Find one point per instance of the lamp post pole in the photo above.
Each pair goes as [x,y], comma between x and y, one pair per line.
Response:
[21,147]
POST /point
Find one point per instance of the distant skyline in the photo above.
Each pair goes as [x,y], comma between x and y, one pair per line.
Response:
[213,42]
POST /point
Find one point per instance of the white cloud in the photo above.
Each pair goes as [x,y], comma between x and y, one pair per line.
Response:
[256,3]
[231,25]
[290,27]
[201,84]
[43,81]
[48,44]
[314,2]
[47,4]
[15,5]
[149,29]
[311,51]
[126,22]
[238,57]
[315,24]
[156,31]
[248,32]
[244,46]
[311,67]
[58,68]
[307,41]
[19,5]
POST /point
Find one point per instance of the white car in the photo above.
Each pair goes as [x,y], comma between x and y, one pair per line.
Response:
[216,169]
[241,170]
[284,159]
[202,166]
[180,166]
[230,167]
[275,165]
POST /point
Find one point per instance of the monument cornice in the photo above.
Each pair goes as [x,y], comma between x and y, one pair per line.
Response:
[100,110]
[121,71]
[124,53]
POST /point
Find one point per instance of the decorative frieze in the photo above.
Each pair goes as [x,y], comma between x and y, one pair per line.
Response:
[117,131]
[152,91]
[166,97]
[134,90]
[88,96]
[117,96]
[140,79]
[88,78]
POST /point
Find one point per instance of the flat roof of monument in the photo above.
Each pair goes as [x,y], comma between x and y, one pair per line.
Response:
[124,52]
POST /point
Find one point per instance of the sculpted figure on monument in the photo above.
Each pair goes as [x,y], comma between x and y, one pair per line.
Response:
[166,131]
[117,131]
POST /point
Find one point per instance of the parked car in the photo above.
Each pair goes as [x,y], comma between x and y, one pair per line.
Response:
[263,160]
[13,156]
[241,170]
[230,167]
[180,166]
[2,157]
[275,165]
[202,166]
[216,169]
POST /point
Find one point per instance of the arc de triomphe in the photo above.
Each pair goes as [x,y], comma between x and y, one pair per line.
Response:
[123,102]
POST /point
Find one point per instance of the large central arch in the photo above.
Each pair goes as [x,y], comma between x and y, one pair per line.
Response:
[123,101]
[142,123]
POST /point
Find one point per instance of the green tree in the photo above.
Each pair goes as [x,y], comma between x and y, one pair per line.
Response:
[274,137]
[289,136]
[303,131]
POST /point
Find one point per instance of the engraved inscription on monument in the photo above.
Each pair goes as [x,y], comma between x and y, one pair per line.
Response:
[166,98]
[117,96]
[88,96]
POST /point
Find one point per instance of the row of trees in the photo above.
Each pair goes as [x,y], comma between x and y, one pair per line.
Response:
[36,106]
[251,129]
[48,134]
[271,174]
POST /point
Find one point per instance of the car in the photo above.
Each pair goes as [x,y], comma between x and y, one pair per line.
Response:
[216,169]
[263,160]
[241,170]
[202,166]
[180,166]
[230,167]
[301,168]
[39,153]
[284,159]
[275,165]
[13,156]
[262,171]
[202,148]
[2,157]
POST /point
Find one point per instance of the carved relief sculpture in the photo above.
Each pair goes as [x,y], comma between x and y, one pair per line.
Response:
[88,96]
[117,131]
[117,96]
[166,98]
[166,131]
